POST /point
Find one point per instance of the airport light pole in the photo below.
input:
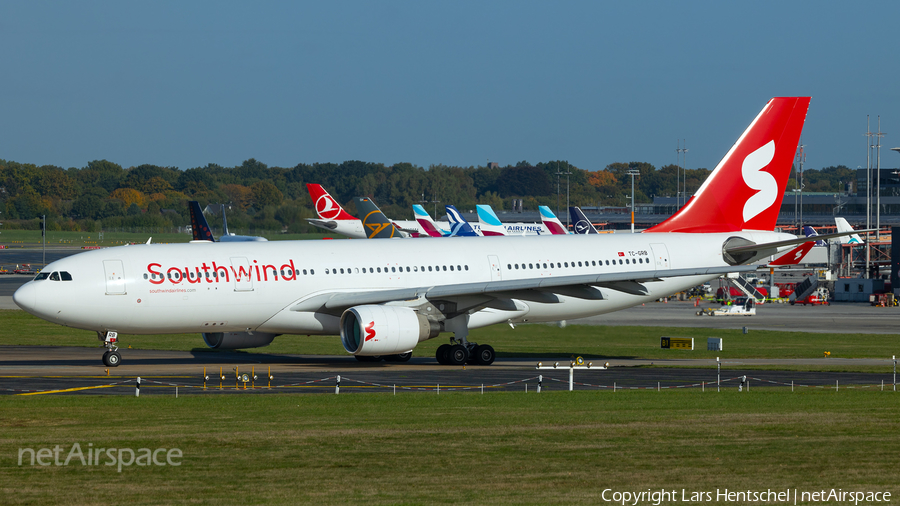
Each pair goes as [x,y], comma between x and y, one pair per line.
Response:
[632,173]
[878,135]
[560,173]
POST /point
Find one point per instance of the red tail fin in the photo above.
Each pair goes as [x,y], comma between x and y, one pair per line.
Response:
[326,207]
[744,192]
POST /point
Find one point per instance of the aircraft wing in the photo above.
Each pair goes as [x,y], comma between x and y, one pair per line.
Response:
[541,290]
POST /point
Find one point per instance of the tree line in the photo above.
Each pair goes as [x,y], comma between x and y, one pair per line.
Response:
[104,195]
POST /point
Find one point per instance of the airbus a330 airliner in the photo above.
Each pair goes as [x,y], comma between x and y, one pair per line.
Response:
[384,297]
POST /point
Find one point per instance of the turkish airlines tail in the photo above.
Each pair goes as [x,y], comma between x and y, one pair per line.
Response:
[326,207]
[844,226]
[459,227]
[744,191]
[580,222]
[488,221]
[424,220]
[551,221]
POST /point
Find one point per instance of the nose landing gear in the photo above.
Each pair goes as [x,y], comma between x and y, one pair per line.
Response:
[111,358]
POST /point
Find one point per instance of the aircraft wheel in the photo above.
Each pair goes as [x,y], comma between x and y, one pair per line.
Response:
[400,357]
[484,354]
[443,353]
[112,359]
[458,355]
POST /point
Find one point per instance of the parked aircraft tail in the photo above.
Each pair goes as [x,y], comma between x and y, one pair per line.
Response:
[808,231]
[844,226]
[375,223]
[424,220]
[745,190]
[794,256]
[199,227]
[551,221]
[489,222]
[580,222]
[326,207]
[459,227]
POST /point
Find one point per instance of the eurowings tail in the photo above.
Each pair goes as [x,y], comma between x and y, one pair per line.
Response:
[375,223]
[745,190]
[428,225]
[489,222]
[581,223]
[326,207]
[844,226]
[199,226]
[459,227]
[551,221]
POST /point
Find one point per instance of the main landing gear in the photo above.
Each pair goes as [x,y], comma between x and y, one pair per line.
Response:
[111,358]
[459,353]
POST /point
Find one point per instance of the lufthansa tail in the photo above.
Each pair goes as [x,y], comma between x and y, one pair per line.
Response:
[580,223]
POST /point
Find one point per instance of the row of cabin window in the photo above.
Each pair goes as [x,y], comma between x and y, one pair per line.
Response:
[287,272]
[593,263]
[415,268]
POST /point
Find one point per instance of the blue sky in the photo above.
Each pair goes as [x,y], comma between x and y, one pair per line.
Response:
[189,83]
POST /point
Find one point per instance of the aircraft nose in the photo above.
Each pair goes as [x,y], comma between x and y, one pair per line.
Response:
[26,296]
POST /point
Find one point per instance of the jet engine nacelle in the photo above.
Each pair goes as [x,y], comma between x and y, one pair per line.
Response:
[384,330]
[237,340]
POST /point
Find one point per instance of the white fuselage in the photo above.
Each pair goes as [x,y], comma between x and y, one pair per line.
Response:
[238,287]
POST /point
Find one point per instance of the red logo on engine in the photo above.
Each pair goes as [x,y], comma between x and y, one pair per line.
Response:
[370,331]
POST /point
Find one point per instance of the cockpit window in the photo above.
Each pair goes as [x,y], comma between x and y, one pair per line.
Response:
[41,275]
[65,276]
[54,276]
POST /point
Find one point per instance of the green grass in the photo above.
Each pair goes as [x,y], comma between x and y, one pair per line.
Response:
[525,341]
[498,448]
[32,238]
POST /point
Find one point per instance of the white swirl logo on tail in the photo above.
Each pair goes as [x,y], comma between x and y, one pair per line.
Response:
[327,208]
[763,182]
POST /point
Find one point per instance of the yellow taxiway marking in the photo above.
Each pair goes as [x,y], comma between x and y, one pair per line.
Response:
[67,390]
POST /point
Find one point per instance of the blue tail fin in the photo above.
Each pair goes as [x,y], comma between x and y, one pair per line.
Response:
[580,223]
[199,227]
[458,225]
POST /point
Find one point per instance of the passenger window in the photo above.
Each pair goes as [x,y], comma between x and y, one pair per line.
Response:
[445,267]
[517,266]
[54,276]
[429,268]
[579,264]
[379,270]
[620,261]
[407,268]
[509,266]
[451,267]
[467,267]
[145,276]
[567,264]
[393,269]
[312,271]
[304,272]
